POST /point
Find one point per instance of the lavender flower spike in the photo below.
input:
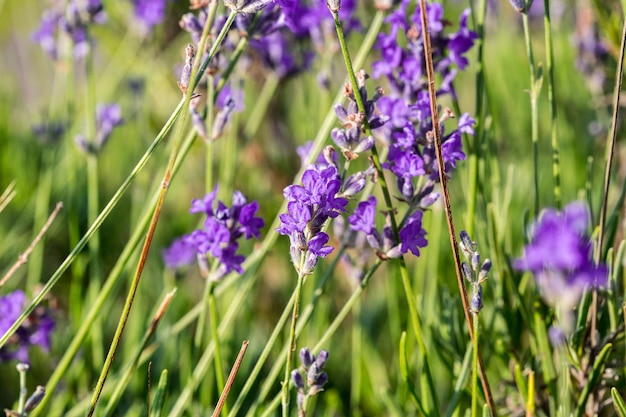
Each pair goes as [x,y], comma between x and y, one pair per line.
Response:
[309,206]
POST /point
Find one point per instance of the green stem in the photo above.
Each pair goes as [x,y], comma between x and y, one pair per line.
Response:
[260,105]
[42,202]
[219,369]
[356,360]
[556,166]
[475,148]
[534,133]
[292,344]
[475,372]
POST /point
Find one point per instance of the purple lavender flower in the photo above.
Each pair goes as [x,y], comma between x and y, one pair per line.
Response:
[37,330]
[560,257]
[179,254]
[412,235]
[364,216]
[45,36]
[149,13]
[219,236]
[309,206]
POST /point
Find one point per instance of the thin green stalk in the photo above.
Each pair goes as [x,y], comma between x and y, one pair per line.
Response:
[94,256]
[356,358]
[44,186]
[476,148]
[196,74]
[475,369]
[430,400]
[260,105]
[443,180]
[554,133]
[534,121]
[219,369]
[292,341]
[22,369]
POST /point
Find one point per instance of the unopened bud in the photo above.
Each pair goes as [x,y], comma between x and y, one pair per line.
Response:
[333,5]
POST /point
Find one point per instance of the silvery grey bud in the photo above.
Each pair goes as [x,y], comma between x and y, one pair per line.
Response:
[466,244]
[467,271]
[34,400]
[321,358]
[312,373]
[484,270]
[306,357]
[333,5]
[185,75]
[297,379]
[475,261]
[521,6]
[477,300]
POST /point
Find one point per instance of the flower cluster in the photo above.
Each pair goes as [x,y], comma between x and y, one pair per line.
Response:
[108,116]
[309,379]
[36,330]
[560,257]
[71,20]
[218,239]
[309,206]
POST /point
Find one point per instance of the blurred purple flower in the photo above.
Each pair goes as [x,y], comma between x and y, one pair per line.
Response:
[560,257]
[149,13]
[179,254]
[108,116]
[37,330]
[72,18]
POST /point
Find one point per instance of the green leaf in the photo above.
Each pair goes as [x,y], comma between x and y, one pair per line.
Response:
[159,396]
[618,402]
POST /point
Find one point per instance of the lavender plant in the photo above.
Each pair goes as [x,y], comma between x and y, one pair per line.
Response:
[385,166]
